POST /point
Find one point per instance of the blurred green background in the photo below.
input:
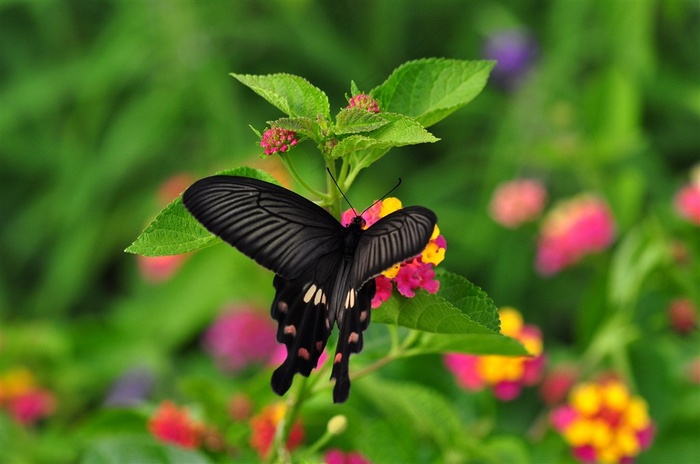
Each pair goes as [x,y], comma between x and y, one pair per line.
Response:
[102,102]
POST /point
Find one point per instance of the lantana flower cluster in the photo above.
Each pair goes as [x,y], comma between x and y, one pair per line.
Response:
[364,101]
[573,229]
[604,422]
[409,276]
[506,375]
[23,399]
[278,140]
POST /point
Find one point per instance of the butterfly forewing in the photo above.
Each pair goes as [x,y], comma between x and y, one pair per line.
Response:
[279,229]
[393,239]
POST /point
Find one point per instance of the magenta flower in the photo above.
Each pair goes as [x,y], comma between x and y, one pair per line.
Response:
[336,456]
[572,230]
[518,201]
[240,337]
[276,140]
[687,202]
[364,101]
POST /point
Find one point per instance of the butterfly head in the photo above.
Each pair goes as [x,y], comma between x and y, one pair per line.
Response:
[359,222]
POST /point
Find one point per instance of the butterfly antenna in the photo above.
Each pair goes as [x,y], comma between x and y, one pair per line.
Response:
[341,191]
[385,195]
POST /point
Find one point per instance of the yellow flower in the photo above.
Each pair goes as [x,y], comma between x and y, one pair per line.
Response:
[511,321]
[586,399]
[615,395]
[389,205]
[433,254]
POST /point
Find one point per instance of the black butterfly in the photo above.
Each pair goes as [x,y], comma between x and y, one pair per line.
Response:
[324,271]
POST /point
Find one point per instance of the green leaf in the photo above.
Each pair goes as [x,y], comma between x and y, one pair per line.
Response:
[428,313]
[430,89]
[478,344]
[357,120]
[459,318]
[293,95]
[175,231]
[469,298]
[423,409]
[365,150]
[141,449]
[301,125]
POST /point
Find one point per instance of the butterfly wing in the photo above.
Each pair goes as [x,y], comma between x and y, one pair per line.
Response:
[279,229]
[296,239]
[393,239]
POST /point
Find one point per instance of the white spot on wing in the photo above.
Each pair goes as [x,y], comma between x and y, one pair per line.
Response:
[309,293]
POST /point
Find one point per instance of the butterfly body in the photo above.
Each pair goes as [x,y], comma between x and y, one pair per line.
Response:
[324,271]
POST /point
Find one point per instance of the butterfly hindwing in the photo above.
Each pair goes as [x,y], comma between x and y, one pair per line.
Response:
[302,328]
[350,339]
[279,229]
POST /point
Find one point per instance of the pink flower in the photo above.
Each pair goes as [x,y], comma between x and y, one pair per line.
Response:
[24,400]
[240,337]
[412,274]
[32,406]
[157,269]
[572,230]
[364,101]
[505,375]
[383,292]
[276,140]
[518,201]
[557,383]
[687,202]
[173,187]
[336,456]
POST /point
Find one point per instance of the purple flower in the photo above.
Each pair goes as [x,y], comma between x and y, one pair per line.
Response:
[515,52]
[131,388]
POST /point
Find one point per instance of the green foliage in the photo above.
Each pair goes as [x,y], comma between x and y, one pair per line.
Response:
[104,102]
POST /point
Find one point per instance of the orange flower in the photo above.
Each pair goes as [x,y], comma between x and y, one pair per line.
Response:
[264,425]
[174,425]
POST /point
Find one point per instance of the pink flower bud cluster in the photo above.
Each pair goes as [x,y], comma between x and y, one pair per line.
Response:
[409,276]
[518,201]
[573,229]
[276,140]
[364,101]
